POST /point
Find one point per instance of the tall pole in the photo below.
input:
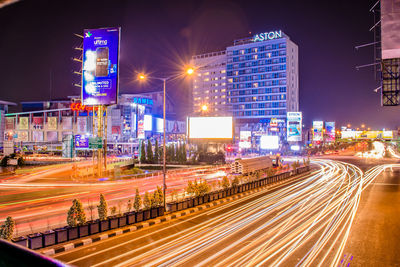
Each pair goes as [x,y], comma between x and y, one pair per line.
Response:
[164,152]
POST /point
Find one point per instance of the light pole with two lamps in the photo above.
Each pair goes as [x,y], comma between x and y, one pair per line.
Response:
[143,77]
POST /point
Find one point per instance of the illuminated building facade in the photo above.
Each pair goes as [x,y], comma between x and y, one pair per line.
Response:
[209,83]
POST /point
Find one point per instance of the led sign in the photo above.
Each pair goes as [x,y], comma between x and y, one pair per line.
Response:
[140,100]
[267,36]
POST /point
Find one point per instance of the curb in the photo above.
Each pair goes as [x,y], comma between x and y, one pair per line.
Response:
[138,226]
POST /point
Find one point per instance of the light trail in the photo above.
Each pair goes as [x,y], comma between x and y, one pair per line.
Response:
[308,220]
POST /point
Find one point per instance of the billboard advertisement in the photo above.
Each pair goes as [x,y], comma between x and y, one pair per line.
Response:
[66,123]
[269,142]
[245,139]
[23,123]
[37,123]
[9,123]
[148,123]
[317,130]
[330,131]
[210,128]
[294,126]
[390,28]
[52,136]
[52,123]
[100,66]
[81,141]
[81,124]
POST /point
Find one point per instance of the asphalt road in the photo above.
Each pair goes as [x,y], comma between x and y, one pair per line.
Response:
[374,239]
[306,221]
[40,200]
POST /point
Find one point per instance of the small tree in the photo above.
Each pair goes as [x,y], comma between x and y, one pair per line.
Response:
[203,188]
[225,182]
[7,229]
[147,201]
[190,188]
[150,156]
[138,201]
[113,210]
[156,152]
[161,194]
[129,205]
[142,153]
[102,208]
[184,157]
[91,207]
[235,181]
[156,199]
[76,214]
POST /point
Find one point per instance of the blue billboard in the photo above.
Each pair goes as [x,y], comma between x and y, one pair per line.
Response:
[100,66]
[81,141]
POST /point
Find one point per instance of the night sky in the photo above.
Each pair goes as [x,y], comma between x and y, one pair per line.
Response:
[37,41]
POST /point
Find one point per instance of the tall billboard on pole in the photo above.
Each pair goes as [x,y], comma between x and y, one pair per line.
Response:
[317,131]
[330,131]
[100,66]
[294,126]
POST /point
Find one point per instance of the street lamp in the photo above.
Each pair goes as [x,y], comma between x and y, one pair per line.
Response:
[204,108]
[143,77]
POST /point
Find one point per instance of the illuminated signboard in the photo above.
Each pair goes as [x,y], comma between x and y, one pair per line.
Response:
[210,127]
[269,142]
[100,66]
[141,100]
[81,141]
[330,131]
[245,139]
[294,126]
[317,130]
[267,36]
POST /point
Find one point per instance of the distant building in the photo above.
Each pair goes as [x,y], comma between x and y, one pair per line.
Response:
[209,83]
[256,80]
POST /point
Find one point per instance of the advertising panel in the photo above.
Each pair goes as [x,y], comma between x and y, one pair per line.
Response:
[245,139]
[9,123]
[100,66]
[52,136]
[294,126]
[210,127]
[390,27]
[148,123]
[81,124]
[66,123]
[330,131]
[37,123]
[81,141]
[23,123]
[348,134]
[140,129]
[317,130]
[159,125]
[37,136]
[52,123]
[269,142]
[23,136]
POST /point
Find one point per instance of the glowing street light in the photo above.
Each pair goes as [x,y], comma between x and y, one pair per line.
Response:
[190,71]
[204,108]
[143,77]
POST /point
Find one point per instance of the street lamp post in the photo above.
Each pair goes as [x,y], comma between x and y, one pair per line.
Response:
[164,80]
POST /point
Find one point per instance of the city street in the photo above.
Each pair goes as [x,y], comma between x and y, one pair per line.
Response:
[306,221]
[39,202]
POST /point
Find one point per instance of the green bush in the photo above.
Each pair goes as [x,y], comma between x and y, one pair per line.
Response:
[102,208]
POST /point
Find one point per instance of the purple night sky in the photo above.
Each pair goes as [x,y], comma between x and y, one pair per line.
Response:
[37,41]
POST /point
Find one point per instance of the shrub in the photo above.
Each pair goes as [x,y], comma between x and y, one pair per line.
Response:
[7,229]
[225,182]
[147,201]
[102,208]
[235,181]
[76,214]
[138,201]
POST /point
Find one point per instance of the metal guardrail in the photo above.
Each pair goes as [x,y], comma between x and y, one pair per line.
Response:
[14,255]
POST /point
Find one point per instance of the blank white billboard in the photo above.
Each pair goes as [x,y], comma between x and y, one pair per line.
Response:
[269,142]
[210,127]
[390,27]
